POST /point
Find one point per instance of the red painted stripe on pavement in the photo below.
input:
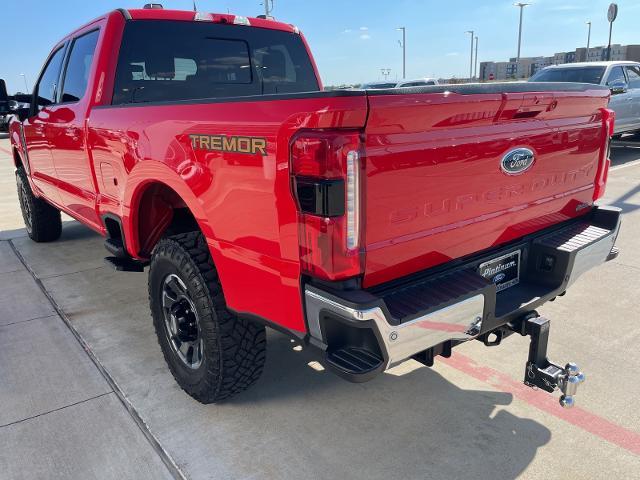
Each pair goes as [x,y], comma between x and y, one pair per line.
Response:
[579,417]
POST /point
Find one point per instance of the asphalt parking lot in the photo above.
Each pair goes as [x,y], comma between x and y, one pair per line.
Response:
[85,392]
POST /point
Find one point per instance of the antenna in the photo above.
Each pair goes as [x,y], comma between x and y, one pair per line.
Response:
[195,9]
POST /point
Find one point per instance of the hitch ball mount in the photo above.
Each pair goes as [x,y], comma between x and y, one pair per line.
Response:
[540,371]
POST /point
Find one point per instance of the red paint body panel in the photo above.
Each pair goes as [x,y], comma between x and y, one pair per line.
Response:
[242,202]
[435,190]
[432,184]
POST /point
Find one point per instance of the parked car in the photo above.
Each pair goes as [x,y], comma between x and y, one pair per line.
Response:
[378,85]
[417,83]
[622,78]
[420,82]
[5,107]
[372,226]
[14,103]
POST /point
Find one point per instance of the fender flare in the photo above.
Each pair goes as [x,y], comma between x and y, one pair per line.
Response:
[150,172]
[18,145]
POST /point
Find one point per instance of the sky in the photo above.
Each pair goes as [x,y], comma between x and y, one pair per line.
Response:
[352,40]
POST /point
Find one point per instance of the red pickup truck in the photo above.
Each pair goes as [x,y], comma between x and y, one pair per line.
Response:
[373,226]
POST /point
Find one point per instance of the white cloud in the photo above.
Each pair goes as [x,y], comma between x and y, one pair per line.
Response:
[347,30]
[364,29]
[365,36]
[452,54]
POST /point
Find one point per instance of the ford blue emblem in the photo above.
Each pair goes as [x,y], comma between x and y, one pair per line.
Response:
[499,277]
[517,161]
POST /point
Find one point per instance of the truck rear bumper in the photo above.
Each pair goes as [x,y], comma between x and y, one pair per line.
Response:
[364,332]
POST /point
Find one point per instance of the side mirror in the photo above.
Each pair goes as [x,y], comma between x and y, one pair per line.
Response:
[4,98]
[618,88]
[21,113]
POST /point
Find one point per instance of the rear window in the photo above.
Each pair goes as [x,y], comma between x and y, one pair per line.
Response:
[168,60]
[578,74]
[377,86]
[418,83]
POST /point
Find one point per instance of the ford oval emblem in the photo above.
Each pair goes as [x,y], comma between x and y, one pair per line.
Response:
[517,161]
[499,277]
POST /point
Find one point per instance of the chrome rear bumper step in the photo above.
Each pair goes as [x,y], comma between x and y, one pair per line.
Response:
[427,315]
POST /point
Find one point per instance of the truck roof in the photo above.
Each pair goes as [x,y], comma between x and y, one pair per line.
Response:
[190,15]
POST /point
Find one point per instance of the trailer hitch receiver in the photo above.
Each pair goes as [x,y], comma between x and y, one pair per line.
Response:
[544,374]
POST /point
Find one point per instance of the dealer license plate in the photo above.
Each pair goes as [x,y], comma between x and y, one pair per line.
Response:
[504,271]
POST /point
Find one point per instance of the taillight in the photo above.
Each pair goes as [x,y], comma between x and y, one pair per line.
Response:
[608,122]
[325,169]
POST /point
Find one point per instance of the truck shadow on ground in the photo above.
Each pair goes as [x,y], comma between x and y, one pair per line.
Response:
[295,422]
[410,422]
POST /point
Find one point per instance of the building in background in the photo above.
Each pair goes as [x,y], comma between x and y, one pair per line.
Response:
[513,70]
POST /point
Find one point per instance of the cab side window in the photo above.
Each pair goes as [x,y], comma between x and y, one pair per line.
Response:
[616,75]
[79,67]
[634,76]
[47,87]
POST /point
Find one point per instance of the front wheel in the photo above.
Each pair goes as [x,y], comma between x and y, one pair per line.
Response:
[211,352]
[42,221]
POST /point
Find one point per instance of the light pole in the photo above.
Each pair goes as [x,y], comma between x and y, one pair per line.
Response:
[268,8]
[24,77]
[404,51]
[521,6]
[471,59]
[588,39]
[475,64]
[385,72]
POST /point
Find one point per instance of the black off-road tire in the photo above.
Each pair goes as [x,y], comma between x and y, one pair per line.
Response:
[234,348]
[42,221]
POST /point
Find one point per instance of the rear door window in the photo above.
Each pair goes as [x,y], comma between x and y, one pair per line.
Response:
[165,61]
[78,67]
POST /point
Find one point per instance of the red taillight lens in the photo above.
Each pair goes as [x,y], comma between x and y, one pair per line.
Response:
[608,122]
[325,167]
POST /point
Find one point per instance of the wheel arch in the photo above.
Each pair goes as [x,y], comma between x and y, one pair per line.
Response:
[17,159]
[158,200]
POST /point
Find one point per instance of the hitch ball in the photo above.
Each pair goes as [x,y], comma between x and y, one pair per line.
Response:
[568,383]
[567,401]
[571,369]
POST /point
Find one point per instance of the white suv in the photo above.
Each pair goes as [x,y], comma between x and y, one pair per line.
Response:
[623,78]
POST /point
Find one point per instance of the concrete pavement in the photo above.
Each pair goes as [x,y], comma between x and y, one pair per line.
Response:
[468,417]
[59,415]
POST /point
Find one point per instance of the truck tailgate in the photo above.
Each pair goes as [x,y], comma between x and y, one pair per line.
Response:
[435,188]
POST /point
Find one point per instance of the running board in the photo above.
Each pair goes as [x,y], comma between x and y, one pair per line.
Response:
[125,264]
[115,247]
